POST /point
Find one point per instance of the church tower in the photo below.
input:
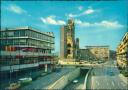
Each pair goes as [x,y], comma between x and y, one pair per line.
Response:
[68,40]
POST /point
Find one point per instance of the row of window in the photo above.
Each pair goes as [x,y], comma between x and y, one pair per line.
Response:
[33,50]
[21,33]
[5,62]
[28,42]
[16,33]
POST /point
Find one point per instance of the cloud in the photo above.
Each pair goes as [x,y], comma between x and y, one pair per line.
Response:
[90,10]
[109,24]
[52,20]
[85,24]
[104,23]
[80,8]
[16,9]
[72,15]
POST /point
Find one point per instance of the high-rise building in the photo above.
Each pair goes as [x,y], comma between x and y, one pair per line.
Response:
[68,41]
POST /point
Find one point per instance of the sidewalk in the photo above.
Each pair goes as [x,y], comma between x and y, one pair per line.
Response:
[123,78]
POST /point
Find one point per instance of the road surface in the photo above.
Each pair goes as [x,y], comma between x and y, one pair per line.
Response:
[107,77]
[43,82]
[79,85]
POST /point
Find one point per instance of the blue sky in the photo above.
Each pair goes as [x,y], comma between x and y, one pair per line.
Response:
[96,22]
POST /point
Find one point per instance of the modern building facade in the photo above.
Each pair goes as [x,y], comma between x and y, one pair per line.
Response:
[86,55]
[67,43]
[24,48]
[98,52]
[122,52]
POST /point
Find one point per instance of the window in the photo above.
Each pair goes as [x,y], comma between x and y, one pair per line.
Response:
[49,38]
[30,33]
[22,41]
[10,42]
[16,42]
[46,38]
[16,33]
[11,34]
[52,45]
[39,36]
[34,34]
[52,39]
[22,32]
[68,52]
[4,42]
[43,36]
[3,34]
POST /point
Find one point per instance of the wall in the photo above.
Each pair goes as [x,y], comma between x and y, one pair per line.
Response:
[87,80]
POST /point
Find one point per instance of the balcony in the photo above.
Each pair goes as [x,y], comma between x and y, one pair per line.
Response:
[22,66]
[14,53]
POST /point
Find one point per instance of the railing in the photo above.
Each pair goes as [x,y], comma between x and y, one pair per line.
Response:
[22,66]
[86,79]
[14,53]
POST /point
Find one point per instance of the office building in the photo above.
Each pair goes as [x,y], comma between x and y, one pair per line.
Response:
[25,48]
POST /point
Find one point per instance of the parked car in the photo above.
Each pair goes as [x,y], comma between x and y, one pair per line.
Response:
[25,80]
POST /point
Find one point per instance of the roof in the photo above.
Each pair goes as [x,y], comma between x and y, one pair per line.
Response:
[30,28]
[104,46]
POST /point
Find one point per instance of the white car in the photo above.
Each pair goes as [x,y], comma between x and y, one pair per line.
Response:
[25,80]
[75,81]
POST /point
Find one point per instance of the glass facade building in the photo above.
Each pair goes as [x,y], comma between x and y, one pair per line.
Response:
[25,48]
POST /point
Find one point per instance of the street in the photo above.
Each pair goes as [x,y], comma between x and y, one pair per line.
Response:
[107,77]
[78,85]
[43,82]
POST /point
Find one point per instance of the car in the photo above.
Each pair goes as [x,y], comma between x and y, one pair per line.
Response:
[75,81]
[25,80]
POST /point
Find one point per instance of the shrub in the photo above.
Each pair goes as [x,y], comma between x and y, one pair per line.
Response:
[125,73]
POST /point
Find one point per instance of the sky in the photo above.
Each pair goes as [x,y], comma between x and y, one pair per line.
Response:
[96,22]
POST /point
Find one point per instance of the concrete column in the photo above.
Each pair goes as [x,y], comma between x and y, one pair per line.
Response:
[46,67]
